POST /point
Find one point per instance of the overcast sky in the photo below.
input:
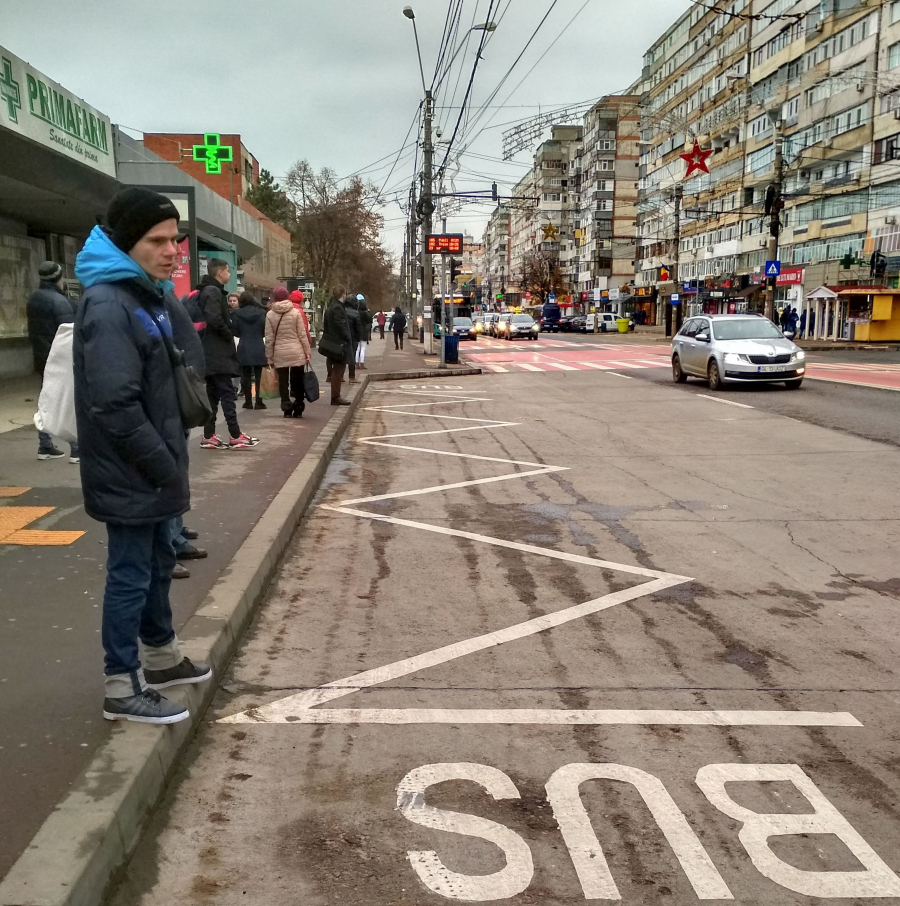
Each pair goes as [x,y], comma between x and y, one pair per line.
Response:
[333,81]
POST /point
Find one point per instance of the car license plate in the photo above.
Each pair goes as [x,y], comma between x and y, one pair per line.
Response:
[772,367]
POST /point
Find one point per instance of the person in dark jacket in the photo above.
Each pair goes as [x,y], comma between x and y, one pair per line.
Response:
[398,326]
[336,335]
[354,322]
[249,325]
[48,308]
[221,359]
[134,458]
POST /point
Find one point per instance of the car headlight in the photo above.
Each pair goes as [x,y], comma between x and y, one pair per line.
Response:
[736,358]
[798,356]
[535,328]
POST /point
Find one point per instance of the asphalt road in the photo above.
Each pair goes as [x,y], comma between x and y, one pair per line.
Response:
[554,637]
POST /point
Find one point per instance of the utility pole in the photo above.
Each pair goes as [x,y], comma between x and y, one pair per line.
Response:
[444,305]
[415,296]
[676,259]
[774,204]
[427,203]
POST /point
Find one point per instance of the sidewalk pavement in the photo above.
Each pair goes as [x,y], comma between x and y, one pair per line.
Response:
[52,577]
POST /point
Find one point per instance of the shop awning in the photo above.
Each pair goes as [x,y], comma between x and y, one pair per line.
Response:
[746,293]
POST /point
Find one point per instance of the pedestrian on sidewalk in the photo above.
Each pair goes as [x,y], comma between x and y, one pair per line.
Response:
[336,344]
[351,307]
[365,318]
[185,338]
[221,359]
[398,326]
[803,323]
[134,470]
[249,326]
[297,299]
[48,308]
[380,320]
[287,351]
[234,301]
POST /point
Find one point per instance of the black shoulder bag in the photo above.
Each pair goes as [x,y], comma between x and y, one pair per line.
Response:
[193,400]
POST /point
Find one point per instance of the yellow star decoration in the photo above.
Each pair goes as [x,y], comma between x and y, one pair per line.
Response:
[550,232]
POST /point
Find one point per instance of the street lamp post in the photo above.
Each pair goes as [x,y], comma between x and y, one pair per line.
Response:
[426,202]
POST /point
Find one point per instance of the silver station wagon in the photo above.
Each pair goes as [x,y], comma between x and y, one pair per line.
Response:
[724,349]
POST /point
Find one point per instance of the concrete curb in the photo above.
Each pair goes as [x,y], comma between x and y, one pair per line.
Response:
[417,374]
[92,833]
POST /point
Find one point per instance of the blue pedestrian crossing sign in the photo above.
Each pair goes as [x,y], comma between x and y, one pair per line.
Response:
[773,268]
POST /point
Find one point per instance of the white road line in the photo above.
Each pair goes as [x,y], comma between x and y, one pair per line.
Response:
[625,364]
[718,399]
[497,368]
[607,717]
[292,706]
[596,365]
[562,366]
[297,708]
[529,367]
[654,364]
[617,374]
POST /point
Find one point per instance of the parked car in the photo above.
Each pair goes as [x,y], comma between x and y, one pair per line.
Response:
[518,327]
[578,324]
[726,349]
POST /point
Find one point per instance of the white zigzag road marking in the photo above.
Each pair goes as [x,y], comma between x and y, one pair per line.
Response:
[301,707]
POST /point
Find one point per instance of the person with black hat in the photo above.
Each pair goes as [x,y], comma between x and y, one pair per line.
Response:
[134,455]
[48,308]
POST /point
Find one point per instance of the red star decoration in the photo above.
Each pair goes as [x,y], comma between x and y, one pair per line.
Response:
[696,160]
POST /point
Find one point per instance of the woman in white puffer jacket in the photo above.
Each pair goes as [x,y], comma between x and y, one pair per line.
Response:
[287,351]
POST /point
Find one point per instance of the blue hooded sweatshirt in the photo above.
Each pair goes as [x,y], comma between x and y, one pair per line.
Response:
[102,261]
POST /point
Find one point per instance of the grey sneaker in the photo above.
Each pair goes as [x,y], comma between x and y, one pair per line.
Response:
[185,672]
[147,708]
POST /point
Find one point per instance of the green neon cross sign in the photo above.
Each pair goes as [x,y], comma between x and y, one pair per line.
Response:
[9,91]
[213,153]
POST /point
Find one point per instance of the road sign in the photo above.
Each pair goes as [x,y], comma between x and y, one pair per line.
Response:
[426,310]
[675,298]
[773,268]
[444,243]
[551,297]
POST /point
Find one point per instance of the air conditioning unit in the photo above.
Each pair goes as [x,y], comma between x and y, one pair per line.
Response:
[763,243]
[828,142]
[820,26]
[803,175]
[897,113]
[860,86]
[889,220]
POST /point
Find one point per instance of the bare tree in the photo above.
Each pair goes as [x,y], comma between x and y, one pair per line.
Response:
[541,275]
[336,236]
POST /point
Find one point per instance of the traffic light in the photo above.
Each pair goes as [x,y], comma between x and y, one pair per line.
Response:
[495,195]
[455,268]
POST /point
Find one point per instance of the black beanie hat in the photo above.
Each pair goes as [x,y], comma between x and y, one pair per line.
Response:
[50,271]
[134,212]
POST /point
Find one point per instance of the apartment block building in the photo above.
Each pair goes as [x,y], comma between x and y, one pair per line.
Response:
[605,228]
[821,79]
[495,264]
[545,208]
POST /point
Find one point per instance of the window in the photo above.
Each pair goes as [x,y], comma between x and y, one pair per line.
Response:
[605,204]
[760,125]
[895,11]
[605,185]
[606,145]
[849,119]
[605,164]
[791,109]
[894,56]
[551,196]
[886,149]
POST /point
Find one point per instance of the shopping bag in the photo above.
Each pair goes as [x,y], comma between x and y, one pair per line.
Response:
[56,404]
[268,386]
[310,384]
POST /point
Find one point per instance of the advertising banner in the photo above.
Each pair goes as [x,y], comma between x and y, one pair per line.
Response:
[20,259]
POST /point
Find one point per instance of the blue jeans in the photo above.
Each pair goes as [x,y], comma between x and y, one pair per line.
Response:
[176,527]
[45,442]
[136,600]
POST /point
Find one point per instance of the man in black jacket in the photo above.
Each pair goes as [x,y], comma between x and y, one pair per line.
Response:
[221,359]
[134,460]
[48,308]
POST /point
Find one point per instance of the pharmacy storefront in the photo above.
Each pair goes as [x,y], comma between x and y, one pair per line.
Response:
[57,174]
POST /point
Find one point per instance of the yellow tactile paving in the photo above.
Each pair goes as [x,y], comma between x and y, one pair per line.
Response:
[36,538]
[13,492]
[14,519]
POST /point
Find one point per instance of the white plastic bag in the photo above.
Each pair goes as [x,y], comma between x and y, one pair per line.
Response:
[56,404]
